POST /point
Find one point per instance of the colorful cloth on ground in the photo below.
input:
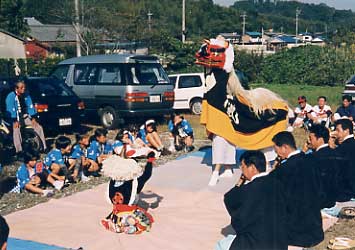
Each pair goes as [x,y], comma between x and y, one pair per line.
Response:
[128,219]
[233,118]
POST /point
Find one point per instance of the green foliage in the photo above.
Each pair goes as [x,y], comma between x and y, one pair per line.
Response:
[11,16]
[309,65]
[29,67]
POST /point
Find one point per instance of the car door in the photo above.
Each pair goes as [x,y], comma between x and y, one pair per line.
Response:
[85,77]
[188,87]
[110,85]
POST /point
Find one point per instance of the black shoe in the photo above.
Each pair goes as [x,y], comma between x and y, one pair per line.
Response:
[189,149]
[95,174]
[164,151]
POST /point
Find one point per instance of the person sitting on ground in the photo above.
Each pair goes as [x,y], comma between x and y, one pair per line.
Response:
[181,133]
[303,200]
[79,158]
[33,177]
[57,160]
[301,112]
[347,110]
[125,147]
[21,112]
[321,112]
[149,135]
[127,181]
[257,208]
[345,137]
[4,233]
[99,149]
[223,153]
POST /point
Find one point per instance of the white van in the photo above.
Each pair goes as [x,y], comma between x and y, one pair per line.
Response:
[189,89]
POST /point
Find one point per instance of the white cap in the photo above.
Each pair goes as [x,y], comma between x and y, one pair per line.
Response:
[149,122]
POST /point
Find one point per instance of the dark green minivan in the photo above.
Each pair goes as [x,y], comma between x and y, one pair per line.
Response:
[119,85]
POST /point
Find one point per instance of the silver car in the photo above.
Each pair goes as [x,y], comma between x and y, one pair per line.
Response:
[119,85]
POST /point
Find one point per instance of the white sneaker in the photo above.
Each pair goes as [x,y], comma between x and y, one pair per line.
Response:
[58,185]
[172,149]
[227,174]
[47,193]
[85,178]
[214,178]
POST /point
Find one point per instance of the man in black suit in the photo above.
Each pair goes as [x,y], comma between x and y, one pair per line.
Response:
[329,166]
[345,137]
[299,181]
[257,209]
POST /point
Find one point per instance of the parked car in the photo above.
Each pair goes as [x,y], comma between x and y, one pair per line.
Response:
[189,89]
[350,87]
[57,105]
[119,85]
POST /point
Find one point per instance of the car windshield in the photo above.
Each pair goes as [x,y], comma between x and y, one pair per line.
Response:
[60,72]
[147,74]
[351,79]
[50,88]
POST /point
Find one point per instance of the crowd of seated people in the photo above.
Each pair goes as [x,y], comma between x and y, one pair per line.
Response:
[305,115]
[282,208]
[69,162]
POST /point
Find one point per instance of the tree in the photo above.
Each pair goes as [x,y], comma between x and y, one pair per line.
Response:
[11,16]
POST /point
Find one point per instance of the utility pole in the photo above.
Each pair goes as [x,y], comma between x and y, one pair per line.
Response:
[298,12]
[150,20]
[244,16]
[82,12]
[77,29]
[183,31]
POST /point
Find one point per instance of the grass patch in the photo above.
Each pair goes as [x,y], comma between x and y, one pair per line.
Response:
[290,93]
[287,91]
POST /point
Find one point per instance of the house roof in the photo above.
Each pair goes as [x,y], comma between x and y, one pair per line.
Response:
[253,34]
[12,35]
[317,39]
[32,21]
[287,39]
[53,33]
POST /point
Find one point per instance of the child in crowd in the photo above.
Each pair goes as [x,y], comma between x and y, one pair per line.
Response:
[128,147]
[33,177]
[57,159]
[181,133]
[149,135]
[78,158]
[99,149]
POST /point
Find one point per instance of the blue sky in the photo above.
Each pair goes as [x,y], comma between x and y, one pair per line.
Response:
[338,4]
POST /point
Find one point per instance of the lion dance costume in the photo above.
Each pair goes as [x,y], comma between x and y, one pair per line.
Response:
[127,181]
[246,118]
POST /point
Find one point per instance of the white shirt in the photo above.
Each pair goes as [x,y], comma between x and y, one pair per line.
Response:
[303,112]
[258,175]
[348,137]
[294,153]
[322,146]
[318,111]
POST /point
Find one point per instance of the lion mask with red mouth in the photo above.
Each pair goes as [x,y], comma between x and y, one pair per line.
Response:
[216,53]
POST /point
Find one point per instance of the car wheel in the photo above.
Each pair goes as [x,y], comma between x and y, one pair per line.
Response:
[196,106]
[30,139]
[109,118]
